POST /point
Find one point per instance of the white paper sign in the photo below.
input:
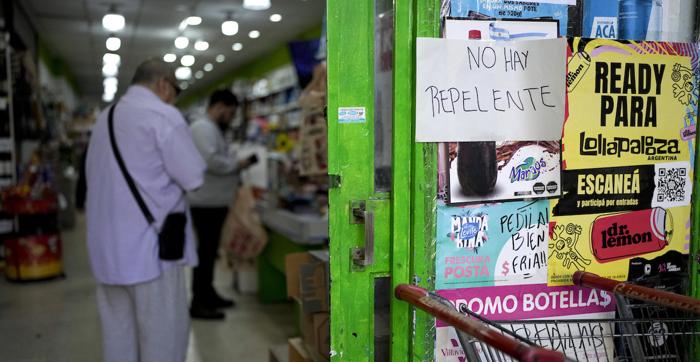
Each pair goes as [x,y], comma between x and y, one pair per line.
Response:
[473,90]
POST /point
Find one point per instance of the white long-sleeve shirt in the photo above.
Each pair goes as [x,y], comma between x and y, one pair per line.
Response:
[221,176]
[159,154]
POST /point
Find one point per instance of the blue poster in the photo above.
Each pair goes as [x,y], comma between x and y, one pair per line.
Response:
[492,244]
[600,19]
[505,9]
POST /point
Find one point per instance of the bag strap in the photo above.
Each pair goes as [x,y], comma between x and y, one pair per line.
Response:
[125,172]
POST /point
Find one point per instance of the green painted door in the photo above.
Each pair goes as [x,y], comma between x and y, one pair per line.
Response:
[383,194]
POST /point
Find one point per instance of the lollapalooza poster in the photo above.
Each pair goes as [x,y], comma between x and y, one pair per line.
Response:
[627,160]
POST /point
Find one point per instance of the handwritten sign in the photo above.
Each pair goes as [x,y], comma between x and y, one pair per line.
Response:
[471,90]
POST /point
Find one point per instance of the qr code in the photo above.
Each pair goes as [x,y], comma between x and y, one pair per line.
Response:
[671,185]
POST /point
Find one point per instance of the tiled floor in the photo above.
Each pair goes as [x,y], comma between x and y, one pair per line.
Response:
[57,320]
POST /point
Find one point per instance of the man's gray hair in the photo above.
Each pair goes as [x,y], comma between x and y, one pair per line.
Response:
[151,70]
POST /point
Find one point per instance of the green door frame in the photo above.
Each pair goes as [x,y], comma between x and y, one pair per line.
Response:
[404,219]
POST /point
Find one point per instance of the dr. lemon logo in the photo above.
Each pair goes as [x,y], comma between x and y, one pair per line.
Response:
[529,170]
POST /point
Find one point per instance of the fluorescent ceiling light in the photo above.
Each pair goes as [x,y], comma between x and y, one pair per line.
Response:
[110,82]
[187,60]
[275,18]
[208,67]
[110,70]
[201,45]
[256,4]
[107,97]
[113,22]
[113,43]
[237,47]
[193,20]
[183,73]
[181,42]
[110,90]
[111,58]
[169,58]
[229,27]
[254,34]
[199,74]
[220,58]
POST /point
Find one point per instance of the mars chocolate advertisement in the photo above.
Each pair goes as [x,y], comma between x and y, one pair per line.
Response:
[627,158]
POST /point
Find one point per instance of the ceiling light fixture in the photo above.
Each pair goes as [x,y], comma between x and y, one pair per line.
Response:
[229,27]
[110,82]
[256,4]
[208,67]
[254,34]
[193,20]
[181,42]
[187,60]
[201,45]
[110,70]
[112,21]
[199,74]
[220,58]
[113,43]
[183,73]
[111,58]
[107,97]
[275,18]
[237,47]
[169,58]
[184,85]
[111,89]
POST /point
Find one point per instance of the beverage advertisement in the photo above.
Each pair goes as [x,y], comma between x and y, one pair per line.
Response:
[504,9]
[627,160]
[494,171]
[667,20]
[493,244]
[532,302]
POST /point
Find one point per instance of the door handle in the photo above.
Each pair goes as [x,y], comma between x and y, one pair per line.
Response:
[365,256]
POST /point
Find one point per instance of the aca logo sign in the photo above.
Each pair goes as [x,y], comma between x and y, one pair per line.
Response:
[529,170]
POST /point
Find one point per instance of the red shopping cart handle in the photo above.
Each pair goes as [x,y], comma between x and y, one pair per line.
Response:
[518,350]
[633,291]
[535,354]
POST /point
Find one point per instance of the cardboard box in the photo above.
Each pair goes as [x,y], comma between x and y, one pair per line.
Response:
[308,280]
[313,289]
[322,337]
[279,353]
[292,263]
[306,327]
[297,351]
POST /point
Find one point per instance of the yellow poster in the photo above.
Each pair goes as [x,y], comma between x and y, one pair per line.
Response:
[627,160]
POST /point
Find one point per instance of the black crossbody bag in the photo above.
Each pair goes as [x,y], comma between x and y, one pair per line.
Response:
[171,237]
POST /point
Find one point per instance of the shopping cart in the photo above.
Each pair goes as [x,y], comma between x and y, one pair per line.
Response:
[650,325]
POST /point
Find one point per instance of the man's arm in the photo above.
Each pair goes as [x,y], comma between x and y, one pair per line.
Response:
[205,140]
[181,158]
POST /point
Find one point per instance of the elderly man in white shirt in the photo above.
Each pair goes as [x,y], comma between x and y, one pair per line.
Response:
[210,202]
[142,299]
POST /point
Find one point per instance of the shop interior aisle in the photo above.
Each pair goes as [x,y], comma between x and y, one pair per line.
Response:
[57,320]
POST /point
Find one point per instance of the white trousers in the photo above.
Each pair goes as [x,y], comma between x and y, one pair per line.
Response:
[146,322]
